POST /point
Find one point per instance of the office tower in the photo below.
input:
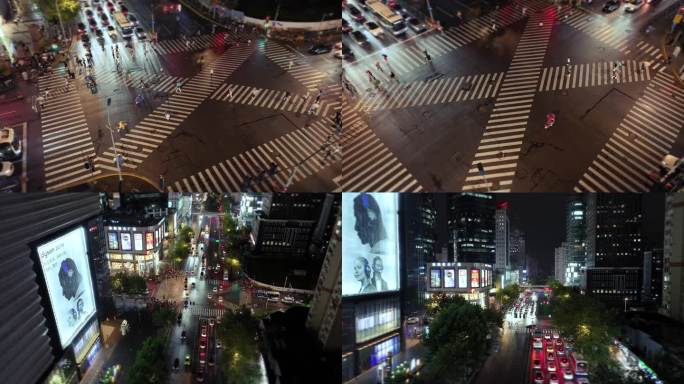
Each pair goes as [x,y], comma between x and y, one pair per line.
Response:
[652,287]
[503,229]
[471,225]
[559,263]
[673,257]
[575,258]
[419,215]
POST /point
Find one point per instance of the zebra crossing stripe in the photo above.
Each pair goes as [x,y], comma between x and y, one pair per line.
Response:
[308,76]
[557,78]
[642,138]
[155,128]
[503,137]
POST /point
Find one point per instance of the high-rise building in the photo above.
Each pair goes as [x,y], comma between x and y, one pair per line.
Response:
[324,314]
[518,258]
[420,215]
[652,287]
[559,263]
[615,274]
[470,221]
[575,258]
[673,257]
[503,229]
[51,244]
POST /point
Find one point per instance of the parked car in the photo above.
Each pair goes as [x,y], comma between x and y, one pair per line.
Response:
[318,49]
[634,6]
[10,145]
[611,6]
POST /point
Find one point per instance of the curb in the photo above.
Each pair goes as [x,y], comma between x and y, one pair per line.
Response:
[673,67]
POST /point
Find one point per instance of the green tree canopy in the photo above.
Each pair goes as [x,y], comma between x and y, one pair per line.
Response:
[128,283]
[150,365]
[68,9]
[237,332]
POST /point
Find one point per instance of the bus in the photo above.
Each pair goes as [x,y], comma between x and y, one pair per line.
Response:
[125,26]
[273,295]
[387,18]
[581,367]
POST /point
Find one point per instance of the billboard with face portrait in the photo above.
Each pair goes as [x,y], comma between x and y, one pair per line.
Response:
[370,246]
[449,278]
[64,262]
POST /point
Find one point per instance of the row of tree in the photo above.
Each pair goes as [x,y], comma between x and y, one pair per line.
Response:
[180,249]
[240,355]
[128,283]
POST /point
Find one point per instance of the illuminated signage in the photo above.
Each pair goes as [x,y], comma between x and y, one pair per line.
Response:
[113,238]
[376,318]
[138,241]
[149,241]
[474,278]
[64,262]
[449,278]
[462,278]
[435,278]
[125,241]
[370,246]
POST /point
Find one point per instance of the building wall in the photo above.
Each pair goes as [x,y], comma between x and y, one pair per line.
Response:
[471,225]
[559,270]
[28,344]
[503,225]
[613,285]
[419,215]
[575,240]
[673,255]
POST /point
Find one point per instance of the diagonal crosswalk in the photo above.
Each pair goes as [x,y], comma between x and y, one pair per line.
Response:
[196,43]
[300,70]
[149,133]
[640,141]
[298,154]
[280,100]
[443,90]
[367,164]
[597,27]
[66,140]
[499,148]
[592,74]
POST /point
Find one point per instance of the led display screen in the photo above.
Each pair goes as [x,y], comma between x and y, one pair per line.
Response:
[113,240]
[462,278]
[125,241]
[149,243]
[449,278]
[64,262]
[138,241]
[435,278]
[370,246]
[474,278]
[376,317]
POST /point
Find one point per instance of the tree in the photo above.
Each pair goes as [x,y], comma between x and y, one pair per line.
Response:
[240,355]
[458,337]
[150,365]
[68,9]
[211,203]
[128,283]
[163,316]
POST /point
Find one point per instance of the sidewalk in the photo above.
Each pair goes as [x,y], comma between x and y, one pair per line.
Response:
[414,350]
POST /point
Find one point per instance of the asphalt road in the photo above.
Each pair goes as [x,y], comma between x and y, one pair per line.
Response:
[484,96]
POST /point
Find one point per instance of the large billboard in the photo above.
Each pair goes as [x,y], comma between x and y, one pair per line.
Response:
[64,262]
[435,278]
[462,278]
[449,278]
[370,245]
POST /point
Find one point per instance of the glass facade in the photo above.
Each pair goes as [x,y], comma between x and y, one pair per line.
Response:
[375,318]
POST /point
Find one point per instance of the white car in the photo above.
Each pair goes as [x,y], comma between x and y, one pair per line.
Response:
[374,29]
[288,300]
[551,366]
[636,4]
[567,374]
[10,145]
[6,169]
[537,343]
[412,320]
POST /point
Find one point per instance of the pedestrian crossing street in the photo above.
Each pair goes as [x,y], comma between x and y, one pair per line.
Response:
[298,155]
[367,164]
[158,83]
[496,158]
[149,133]
[275,99]
[66,140]
[406,57]
[195,43]
[443,90]
[592,74]
[300,70]
[640,141]
[204,311]
[613,37]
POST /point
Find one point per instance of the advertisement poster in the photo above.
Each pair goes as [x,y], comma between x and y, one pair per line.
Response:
[474,278]
[138,241]
[113,240]
[370,244]
[449,278]
[149,243]
[125,241]
[435,278]
[463,278]
[64,262]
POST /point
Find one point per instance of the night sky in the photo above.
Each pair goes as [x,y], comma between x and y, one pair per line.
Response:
[542,217]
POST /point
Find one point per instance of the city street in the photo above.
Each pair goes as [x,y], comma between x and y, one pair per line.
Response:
[205,107]
[534,96]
